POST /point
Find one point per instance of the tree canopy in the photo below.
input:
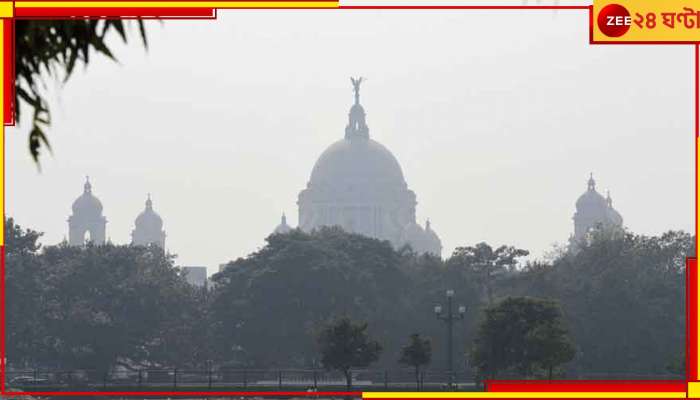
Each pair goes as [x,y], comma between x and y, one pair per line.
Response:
[273,303]
[93,307]
[521,334]
[346,345]
[417,353]
[621,299]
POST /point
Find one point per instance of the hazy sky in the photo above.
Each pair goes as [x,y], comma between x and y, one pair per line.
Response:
[497,118]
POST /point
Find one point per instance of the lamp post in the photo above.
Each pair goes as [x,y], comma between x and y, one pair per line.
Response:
[449,317]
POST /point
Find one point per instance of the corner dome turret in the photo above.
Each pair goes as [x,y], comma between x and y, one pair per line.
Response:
[148,217]
[87,204]
[148,227]
[593,210]
[283,228]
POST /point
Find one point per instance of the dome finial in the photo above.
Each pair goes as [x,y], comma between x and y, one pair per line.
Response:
[87,187]
[608,198]
[149,203]
[591,182]
[283,227]
[356,87]
[357,126]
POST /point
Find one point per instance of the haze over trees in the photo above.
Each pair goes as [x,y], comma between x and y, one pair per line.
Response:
[621,305]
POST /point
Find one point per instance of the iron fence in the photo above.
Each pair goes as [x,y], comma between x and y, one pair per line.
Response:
[268,379]
[237,378]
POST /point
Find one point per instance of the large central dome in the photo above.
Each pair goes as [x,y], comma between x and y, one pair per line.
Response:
[357,161]
[358,184]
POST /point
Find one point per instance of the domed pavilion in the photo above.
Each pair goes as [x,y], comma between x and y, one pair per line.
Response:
[148,227]
[593,210]
[86,224]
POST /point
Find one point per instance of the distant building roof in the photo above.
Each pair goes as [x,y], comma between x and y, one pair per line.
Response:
[195,275]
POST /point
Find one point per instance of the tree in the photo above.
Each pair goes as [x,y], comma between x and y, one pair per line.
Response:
[24,328]
[53,48]
[549,346]
[102,306]
[270,306]
[624,297]
[346,345]
[521,334]
[486,264]
[416,353]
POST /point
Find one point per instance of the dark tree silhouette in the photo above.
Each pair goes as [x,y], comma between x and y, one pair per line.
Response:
[345,345]
[417,353]
[522,334]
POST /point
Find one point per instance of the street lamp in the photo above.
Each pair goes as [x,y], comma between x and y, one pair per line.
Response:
[449,317]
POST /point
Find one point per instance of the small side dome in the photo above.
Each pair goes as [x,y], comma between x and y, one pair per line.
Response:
[434,244]
[87,204]
[283,228]
[149,218]
[414,236]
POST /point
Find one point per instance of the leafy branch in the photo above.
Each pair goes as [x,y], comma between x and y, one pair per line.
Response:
[53,48]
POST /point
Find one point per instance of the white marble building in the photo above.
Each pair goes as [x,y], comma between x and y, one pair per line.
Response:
[358,184]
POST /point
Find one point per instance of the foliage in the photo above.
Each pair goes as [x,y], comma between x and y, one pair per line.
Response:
[122,315]
[95,307]
[53,48]
[22,288]
[346,345]
[417,353]
[521,334]
[487,264]
[271,305]
[621,297]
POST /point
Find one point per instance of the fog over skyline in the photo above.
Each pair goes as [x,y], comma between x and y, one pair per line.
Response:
[497,119]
